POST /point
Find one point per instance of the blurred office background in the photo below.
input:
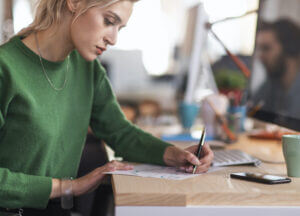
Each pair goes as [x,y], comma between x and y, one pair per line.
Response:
[144,63]
[150,52]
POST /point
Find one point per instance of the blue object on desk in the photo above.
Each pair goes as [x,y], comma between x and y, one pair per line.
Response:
[240,112]
[188,113]
[186,137]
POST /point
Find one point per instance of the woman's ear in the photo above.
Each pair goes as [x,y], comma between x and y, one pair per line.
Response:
[73,5]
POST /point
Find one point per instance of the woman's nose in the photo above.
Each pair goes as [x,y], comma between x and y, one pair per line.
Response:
[111,38]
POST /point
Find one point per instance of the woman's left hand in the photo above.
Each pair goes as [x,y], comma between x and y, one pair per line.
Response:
[186,158]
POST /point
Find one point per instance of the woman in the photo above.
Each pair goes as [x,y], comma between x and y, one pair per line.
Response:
[51,89]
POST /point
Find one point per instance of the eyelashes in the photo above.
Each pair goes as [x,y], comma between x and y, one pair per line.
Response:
[107,22]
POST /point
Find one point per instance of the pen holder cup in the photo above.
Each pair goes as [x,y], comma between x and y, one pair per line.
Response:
[236,118]
[188,114]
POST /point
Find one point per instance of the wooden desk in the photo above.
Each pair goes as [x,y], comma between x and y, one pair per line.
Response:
[213,193]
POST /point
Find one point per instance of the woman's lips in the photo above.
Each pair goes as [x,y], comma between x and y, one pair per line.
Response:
[100,50]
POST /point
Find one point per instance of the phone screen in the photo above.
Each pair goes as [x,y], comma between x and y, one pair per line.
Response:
[262,178]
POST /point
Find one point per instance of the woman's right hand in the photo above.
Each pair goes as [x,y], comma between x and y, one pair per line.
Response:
[90,181]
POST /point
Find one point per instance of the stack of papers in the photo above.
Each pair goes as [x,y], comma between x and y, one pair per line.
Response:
[162,172]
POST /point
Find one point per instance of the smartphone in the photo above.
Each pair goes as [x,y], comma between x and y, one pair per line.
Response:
[261,178]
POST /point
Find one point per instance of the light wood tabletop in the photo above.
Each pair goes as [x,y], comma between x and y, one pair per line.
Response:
[215,188]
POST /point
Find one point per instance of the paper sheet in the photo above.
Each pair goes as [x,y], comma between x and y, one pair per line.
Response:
[162,172]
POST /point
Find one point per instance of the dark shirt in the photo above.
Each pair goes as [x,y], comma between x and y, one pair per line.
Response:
[278,99]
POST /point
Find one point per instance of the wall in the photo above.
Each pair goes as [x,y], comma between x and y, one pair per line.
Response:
[279,8]
[131,81]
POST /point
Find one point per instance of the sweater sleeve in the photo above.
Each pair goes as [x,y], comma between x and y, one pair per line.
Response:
[17,189]
[109,123]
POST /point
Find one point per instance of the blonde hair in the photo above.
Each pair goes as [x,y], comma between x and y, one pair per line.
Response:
[49,12]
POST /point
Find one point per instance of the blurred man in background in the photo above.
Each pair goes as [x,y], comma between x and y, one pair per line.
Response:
[278,48]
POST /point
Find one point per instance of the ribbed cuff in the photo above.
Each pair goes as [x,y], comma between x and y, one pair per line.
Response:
[157,151]
[153,148]
[38,192]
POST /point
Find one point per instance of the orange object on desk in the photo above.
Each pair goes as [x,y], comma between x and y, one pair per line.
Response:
[272,135]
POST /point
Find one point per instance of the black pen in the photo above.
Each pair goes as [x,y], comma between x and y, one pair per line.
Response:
[201,143]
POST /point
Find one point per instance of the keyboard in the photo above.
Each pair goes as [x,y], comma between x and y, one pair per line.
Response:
[233,157]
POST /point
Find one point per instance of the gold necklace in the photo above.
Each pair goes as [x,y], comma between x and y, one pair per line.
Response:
[45,73]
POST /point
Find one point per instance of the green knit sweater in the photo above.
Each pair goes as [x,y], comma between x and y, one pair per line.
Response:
[42,131]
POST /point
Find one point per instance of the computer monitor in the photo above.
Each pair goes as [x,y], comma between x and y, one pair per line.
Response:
[275,81]
[200,80]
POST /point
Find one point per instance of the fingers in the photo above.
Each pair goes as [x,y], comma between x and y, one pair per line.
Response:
[191,158]
[115,165]
[192,149]
[199,169]
[205,161]
[187,168]
[204,168]
[208,155]
[92,180]
[206,148]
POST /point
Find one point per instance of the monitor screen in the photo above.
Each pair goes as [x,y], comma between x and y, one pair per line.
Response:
[275,80]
